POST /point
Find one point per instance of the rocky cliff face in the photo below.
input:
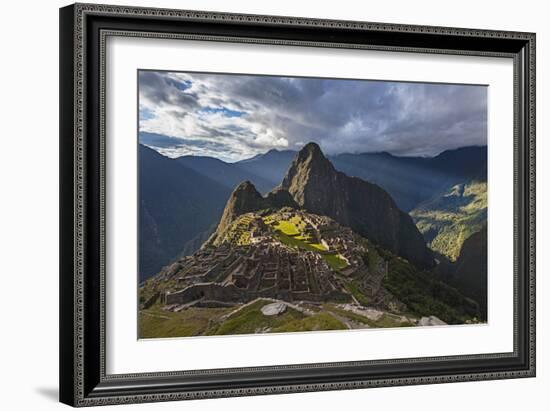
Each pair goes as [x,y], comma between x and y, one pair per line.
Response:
[318,187]
[279,198]
[471,269]
[243,199]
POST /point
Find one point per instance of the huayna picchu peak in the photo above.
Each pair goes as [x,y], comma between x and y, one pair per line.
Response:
[318,187]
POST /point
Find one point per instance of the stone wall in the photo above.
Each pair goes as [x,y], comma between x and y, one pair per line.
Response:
[232,294]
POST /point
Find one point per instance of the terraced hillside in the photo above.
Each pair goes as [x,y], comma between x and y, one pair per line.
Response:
[325,276]
[447,220]
[299,231]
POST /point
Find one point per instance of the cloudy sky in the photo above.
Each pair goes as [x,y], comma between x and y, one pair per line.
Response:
[233,117]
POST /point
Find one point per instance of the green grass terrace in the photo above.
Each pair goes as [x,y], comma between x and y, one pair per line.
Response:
[292,233]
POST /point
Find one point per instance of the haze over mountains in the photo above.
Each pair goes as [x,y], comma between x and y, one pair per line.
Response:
[409,180]
[177,204]
[174,190]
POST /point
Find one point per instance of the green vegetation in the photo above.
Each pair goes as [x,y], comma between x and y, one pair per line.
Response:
[348,314]
[250,319]
[335,261]
[373,258]
[293,233]
[424,295]
[385,321]
[448,220]
[296,243]
[156,323]
[353,288]
[287,227]
[316,322]
[239,231]
[389,321]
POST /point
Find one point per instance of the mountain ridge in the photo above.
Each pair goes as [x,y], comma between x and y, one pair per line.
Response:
[244,199]
[366,208]
[408,185]
[225,173]
[408,179]
[313,184]
[449,218]
[168,190]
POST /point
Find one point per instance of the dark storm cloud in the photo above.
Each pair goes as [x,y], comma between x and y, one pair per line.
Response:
[161,89]
[340,115]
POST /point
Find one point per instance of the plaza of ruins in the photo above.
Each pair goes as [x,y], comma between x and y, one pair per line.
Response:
[257,258]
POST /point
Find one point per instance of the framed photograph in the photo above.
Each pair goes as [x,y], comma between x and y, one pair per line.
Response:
[261,204]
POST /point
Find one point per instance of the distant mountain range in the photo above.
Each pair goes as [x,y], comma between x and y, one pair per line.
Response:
[333,247]
[182,199]
[412,180]
[227,174]
[177,204]
[409,180]
[271,166]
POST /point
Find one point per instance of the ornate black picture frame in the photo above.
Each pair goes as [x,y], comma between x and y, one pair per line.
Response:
[83,32]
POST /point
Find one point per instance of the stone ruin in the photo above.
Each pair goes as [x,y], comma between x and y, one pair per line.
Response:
[266,268]
[247,273]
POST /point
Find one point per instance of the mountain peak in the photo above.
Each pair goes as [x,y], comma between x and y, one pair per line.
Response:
[310,164]
[312,152]
[245,187]
[245,199]
[318,187]
[312,147]
[312,183]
